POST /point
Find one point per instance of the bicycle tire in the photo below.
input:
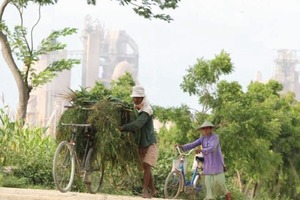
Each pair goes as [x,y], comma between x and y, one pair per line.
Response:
[94,171]
[63,166]
[197,187]
[196,183]
[173,184]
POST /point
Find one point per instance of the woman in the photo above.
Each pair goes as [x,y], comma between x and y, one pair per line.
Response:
[213,168]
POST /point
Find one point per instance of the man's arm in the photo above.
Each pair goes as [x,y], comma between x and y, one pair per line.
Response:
[136,124]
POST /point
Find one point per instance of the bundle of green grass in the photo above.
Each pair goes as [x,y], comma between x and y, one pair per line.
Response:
[105,113]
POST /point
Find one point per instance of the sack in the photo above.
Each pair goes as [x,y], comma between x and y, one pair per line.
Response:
[198,161]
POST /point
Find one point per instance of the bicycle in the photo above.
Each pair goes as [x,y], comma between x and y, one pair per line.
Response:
[64,159]
[176,181]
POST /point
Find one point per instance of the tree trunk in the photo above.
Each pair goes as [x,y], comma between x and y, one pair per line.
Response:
[248,191]
[239,182]
[22,89]
[278,185]
[254,190]
[23,102]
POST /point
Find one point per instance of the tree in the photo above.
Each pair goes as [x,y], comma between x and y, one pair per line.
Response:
[248,126]
[181,124]
[145,8]
[259,128]
[17,47]
[201,79]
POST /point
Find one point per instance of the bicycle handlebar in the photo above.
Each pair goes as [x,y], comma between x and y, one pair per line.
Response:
[78,125]
[181,153]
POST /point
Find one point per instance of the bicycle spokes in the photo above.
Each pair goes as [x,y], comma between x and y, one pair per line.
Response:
[94,171]
[173,184]
[63,167]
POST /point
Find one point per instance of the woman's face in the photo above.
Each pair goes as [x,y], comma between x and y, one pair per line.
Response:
[206,130]
[137,100]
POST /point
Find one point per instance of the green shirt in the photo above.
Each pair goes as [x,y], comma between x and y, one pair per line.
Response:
[143,125]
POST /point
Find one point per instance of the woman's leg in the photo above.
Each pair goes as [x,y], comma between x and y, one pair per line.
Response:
[208,186]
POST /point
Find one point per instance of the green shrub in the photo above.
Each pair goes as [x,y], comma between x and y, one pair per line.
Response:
[27,151]
[1,179]
[15,182]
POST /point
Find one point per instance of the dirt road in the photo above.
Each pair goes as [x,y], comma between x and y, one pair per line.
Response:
[30,194]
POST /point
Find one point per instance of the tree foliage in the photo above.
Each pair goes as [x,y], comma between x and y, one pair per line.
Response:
[147,8]
[201,79]
[18,45]
[258,128]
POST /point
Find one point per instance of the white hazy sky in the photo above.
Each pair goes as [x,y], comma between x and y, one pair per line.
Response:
[249,30]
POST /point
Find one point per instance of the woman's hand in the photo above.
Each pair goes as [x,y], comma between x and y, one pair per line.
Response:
[197,151]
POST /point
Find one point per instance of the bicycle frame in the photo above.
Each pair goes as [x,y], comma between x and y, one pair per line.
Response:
[177,181]
[73,142]
[182,169]
[65,159]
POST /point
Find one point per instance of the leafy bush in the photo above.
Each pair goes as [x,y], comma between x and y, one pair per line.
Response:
[28,150]
[15,182]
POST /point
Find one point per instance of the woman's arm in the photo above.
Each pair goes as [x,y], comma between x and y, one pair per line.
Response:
[213,143]
[192,144]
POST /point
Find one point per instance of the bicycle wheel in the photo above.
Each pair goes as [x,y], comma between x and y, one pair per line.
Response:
[63,166]
[173,185]
[94,171]
[197,187]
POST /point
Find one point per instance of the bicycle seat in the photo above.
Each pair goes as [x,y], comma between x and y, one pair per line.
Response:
[200,158]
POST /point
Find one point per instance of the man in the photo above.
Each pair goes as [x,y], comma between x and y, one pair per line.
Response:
[143,125]
[213,168]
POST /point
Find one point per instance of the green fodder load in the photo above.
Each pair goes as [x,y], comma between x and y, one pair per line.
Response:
[74,115]
[118,149]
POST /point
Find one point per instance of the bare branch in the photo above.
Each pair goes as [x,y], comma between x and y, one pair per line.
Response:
[2,8]
[38,20]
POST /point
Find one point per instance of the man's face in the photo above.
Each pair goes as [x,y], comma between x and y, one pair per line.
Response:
[137,100]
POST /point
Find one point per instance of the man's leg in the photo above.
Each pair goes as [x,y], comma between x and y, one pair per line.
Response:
[153,191]
[146,180]
[149,160]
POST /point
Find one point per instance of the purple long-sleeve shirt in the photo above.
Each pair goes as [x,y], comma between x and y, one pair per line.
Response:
[213,158]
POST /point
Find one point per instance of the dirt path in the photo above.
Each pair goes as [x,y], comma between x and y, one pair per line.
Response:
[35,194]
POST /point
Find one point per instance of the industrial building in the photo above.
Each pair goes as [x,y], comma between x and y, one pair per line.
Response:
[286,72]
[106,55]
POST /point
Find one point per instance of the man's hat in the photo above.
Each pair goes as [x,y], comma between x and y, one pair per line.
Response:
[138,91]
